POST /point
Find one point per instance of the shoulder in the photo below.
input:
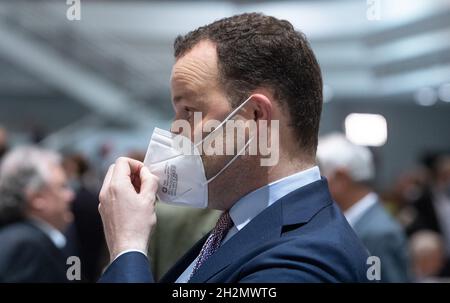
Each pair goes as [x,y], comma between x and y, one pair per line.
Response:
[300,259]
[323,250]
[27,255]
[18,232]
[21,237]
[377,222]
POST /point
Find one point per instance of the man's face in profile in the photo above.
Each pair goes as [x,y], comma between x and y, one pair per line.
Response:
[195,88]
[55,199]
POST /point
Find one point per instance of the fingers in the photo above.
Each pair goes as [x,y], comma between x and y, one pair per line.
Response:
[106,183]
[124,175]
[126,167]
[149,182]
[108,176]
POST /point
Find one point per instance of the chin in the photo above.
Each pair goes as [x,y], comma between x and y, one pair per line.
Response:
[67,218]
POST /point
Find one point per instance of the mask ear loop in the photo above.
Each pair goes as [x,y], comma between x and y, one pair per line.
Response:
[224,121]
[231,161]
[220,125]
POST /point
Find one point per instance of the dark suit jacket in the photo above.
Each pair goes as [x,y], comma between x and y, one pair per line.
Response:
[85,237]
[303,237]
[28,255]
[426,219]
[425,214]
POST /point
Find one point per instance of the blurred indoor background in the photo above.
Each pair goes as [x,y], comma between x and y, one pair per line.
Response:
[94,88]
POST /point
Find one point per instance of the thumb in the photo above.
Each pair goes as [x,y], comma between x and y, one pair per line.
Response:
[149,182]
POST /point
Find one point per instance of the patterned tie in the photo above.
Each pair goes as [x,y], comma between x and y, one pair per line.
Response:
[213,242]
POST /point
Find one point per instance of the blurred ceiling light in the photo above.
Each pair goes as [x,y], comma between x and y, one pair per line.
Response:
[426,96]
[444,92]
[401,12]
[366,129]
[327,93]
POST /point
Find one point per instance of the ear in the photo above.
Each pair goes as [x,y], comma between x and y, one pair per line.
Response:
[259,108]
[35,200]
[342,175]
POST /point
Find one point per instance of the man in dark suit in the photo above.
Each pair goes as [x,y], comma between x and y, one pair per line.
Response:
[349,169]
[279,222]
[431,210]
[34,211]
[85,235]
[28,255]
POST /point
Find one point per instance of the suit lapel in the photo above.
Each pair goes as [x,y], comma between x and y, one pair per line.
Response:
[265,226]
[296,208]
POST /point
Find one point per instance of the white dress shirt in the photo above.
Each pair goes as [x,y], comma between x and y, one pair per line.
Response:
[249,206]
[357,210]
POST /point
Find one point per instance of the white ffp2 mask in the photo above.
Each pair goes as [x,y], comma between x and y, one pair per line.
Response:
[176,161]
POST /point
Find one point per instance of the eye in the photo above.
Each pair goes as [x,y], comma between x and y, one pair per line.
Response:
[188,112]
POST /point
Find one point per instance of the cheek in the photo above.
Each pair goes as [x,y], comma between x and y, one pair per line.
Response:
[59,203]
[64,197]
[197,129]
[70,195]
[202,127]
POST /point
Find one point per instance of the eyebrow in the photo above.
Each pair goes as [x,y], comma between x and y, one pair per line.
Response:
[187,95]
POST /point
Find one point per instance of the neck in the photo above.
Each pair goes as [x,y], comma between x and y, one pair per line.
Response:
[288,166]
[228,189]
[33,216]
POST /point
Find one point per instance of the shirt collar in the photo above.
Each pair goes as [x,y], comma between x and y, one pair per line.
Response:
[357,210]
[55,235]
[249,206]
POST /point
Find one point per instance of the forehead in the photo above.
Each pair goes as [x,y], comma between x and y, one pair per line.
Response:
[197,68]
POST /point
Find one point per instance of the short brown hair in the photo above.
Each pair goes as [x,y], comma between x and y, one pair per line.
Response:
[256,51]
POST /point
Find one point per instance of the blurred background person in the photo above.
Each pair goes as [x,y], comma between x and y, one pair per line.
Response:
[406,189]
[34,212]
[350,169]
[431,209]
[85,234]
[427,252]
[94,89]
